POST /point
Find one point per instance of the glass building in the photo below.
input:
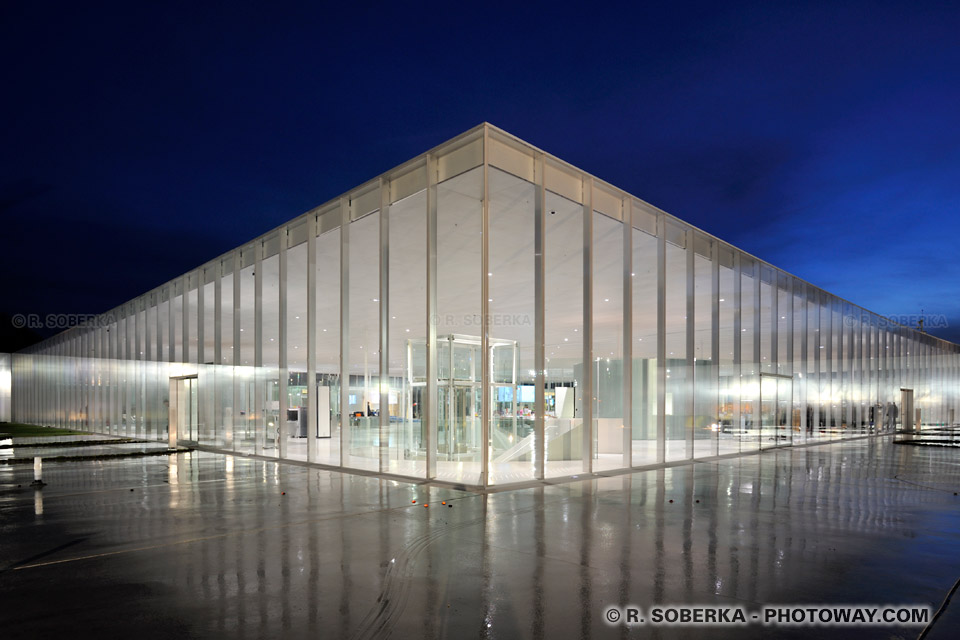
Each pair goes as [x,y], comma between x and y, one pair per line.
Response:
[487,314]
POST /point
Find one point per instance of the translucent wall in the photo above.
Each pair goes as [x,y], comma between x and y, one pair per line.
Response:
[563,330]
[512,313]
[6,380]
[644,341]
[485,314]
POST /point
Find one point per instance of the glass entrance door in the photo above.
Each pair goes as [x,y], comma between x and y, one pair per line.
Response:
[458,422]
[776,393]
[784,410]
[187,410]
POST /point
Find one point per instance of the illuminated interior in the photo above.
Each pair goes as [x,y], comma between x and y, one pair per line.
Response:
[486,314]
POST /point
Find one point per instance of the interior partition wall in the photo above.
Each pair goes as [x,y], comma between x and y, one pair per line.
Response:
[486,314]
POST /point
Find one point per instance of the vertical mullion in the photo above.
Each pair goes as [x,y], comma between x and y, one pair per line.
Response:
[312,338]
[661,337]
[818,304]
[774,351]
[757,414]
[432,372]
[485,357]
[690,344]
[260,423]
[586,447]
[235,401]
[384,413]
[218,314]
[627,355]
[201,312]
[171,330]
[738,340]
[715,337]
[138,367]
[150,379]
[217,368]
[185,319]
[775,326]
[344,331]
[789,355]
[539,235]
[282,365]
[202,407]
[805,361]
[129,387]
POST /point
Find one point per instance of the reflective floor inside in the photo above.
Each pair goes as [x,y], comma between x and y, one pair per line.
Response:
[644,453]
[201,545]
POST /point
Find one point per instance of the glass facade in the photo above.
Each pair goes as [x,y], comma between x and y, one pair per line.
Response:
[486,314]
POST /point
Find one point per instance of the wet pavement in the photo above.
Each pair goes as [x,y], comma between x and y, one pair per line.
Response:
[27,453]
[27,440]
[200,545]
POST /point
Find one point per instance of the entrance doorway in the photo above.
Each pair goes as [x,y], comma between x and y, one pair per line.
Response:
[908,420]
[776,394]
[458,422]
[184,411]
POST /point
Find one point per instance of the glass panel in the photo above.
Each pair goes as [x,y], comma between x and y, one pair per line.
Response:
[812,356]
[141,382]
[192,311]
[825,360]
[784,363]
[836,353]
[800,375]
[511,305]
[767,302]
[728,440]
[129,378]
[706,421]
[563,331]
[768,411]
[749,359]
[784,405]
[408,299]
[295,425]
[210,432]
[607,342]
[460,364]
[644,348]
[327,389]
[269,374]
[363,361]
[224,373]
[677,414]
[194,419]
[244,430]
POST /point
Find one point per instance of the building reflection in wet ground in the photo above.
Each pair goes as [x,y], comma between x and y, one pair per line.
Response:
[208,545]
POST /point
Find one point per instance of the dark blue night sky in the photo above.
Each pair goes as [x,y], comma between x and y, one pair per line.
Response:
[139,142]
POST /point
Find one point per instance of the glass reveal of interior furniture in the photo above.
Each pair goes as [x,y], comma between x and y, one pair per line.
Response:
[486,314]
